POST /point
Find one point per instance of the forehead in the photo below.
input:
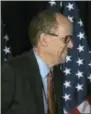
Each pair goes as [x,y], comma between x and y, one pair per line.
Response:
[64,25]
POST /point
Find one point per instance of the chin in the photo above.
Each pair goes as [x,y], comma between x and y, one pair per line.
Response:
[63,60]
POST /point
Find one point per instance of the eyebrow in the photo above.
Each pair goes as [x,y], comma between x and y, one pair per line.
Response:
[52,34]
[57,35]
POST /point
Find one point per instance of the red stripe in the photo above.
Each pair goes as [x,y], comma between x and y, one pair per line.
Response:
[75,111]
[89,100]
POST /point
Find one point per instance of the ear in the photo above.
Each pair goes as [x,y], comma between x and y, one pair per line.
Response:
[43,39]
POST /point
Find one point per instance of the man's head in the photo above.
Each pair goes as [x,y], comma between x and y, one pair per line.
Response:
[50,34]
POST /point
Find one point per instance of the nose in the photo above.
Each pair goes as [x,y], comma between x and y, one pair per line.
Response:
[70,44]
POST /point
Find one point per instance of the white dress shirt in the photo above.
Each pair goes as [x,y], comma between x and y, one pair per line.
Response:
[44,70]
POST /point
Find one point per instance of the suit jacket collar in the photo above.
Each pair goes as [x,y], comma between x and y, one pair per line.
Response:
[58,84]
[38,85]
[36,81]
[44,70]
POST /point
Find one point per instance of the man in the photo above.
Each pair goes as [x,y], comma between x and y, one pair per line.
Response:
[25,84]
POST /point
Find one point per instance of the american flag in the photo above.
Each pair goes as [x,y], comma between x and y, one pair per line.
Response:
[77,71]
[5,48]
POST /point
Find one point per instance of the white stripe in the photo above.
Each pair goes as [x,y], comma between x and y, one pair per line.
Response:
[84,108]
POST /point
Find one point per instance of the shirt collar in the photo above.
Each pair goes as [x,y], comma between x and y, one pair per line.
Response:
[44,70]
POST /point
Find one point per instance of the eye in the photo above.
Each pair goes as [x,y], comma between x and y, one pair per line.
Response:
[67,39]
[62,39]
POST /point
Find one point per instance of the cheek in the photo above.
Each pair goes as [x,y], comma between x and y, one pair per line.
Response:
[56,46]
[53,47]
[60,49]
[60,46]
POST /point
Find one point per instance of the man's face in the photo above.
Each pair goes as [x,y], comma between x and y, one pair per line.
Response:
[60,40]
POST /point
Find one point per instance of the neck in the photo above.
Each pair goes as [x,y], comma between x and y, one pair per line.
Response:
[45,57]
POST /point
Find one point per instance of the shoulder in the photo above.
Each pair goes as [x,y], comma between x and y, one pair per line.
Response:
[19,62]
[17,67]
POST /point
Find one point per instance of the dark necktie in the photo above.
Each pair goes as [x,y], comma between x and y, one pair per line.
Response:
[50,94]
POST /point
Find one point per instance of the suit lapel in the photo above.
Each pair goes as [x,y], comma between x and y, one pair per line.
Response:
[36,82]
[58,81]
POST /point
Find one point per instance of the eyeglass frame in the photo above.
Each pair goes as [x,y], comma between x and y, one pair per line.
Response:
[67,38]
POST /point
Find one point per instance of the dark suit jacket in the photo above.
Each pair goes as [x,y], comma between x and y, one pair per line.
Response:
[21,86]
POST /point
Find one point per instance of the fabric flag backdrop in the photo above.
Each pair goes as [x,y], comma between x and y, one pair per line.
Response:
[5,49]
[77,71]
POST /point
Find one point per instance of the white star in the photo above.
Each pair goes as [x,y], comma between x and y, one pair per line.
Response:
[68,58]
[89,64]
[6,37]
[80,35]
[70,6]
[61,4]
[66,97]
[79,61]
[52,2]
[80,22]
[70,18]
[79,74]
[67,84]
[80,48]
[79,87]
[89,52]
[67,71]
[65,112]
[89,77]
[5,59]
[6,50]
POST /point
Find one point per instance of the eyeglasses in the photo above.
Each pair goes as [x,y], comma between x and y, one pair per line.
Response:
[65,39]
